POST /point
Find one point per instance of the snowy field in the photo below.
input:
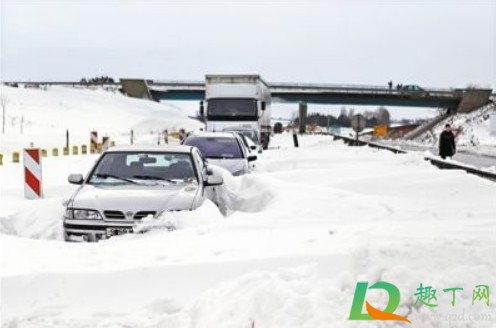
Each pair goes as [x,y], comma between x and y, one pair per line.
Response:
[301,230]
[304,228]
[45,115]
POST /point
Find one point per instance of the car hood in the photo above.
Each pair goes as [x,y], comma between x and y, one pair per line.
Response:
[131,198]
[232,165]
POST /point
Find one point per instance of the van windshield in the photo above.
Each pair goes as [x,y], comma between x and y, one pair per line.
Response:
[232,108]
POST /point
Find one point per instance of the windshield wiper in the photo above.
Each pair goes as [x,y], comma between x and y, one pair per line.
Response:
[152,177]
[105,176]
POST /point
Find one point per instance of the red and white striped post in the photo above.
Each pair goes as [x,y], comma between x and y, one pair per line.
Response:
[33,187]
[93,141]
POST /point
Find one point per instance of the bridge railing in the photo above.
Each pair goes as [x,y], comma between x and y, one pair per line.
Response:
[351,87]
[364,90]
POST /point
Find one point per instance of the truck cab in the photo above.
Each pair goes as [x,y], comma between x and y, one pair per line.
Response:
[237,101]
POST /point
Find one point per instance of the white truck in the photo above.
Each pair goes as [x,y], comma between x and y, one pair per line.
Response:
[239,103]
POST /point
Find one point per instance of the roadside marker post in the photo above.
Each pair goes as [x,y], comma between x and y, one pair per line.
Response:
[93,142]
[33,187]
[105,143]
[295,139]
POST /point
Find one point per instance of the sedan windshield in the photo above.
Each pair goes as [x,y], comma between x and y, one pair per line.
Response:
[216,147]
[143,168]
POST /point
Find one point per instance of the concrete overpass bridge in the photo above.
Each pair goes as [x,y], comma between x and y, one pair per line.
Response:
[453,100]
[460,100]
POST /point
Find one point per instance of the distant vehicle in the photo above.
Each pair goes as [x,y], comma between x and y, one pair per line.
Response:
[223,149]
[238,101]
[249,132]
[250,145]
[128,184]
[249,137]
[413,89]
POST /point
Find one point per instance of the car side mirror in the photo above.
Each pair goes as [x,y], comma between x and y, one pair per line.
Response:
[253,147]
[209,171]
[202,109]
[262,105]
[252,158]
[76,179]
[214,180]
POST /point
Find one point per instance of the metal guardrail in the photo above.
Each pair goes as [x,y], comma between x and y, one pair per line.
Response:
[436,162]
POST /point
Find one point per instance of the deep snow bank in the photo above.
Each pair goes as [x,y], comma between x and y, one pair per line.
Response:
[337,215]
[42,219]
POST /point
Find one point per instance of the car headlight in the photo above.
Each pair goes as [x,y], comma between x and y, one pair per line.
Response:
[82,214]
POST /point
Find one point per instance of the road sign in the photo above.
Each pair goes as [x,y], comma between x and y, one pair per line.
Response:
[380,130]
[358,123]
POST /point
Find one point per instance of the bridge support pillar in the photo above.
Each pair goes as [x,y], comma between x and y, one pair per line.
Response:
[303,117]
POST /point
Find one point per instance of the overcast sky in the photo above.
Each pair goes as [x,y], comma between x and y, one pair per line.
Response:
[429,43]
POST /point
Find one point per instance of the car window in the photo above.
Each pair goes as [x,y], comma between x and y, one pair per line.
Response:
[216,147]
[143,167]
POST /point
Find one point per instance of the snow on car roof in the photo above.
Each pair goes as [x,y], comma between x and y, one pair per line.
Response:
[151,148]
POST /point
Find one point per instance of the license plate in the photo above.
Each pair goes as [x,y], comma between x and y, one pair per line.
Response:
[118,231]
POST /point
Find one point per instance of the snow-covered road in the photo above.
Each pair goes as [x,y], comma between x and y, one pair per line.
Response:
[304,228]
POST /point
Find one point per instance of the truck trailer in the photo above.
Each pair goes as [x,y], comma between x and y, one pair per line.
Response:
[238,103]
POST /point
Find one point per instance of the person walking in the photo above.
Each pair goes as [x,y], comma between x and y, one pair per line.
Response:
[447,146]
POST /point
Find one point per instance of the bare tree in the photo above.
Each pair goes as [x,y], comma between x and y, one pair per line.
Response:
[4,101]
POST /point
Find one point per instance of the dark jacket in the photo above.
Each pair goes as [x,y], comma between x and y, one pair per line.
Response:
[447,147]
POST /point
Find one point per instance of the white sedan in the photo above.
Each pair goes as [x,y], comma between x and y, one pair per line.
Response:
[128,184]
